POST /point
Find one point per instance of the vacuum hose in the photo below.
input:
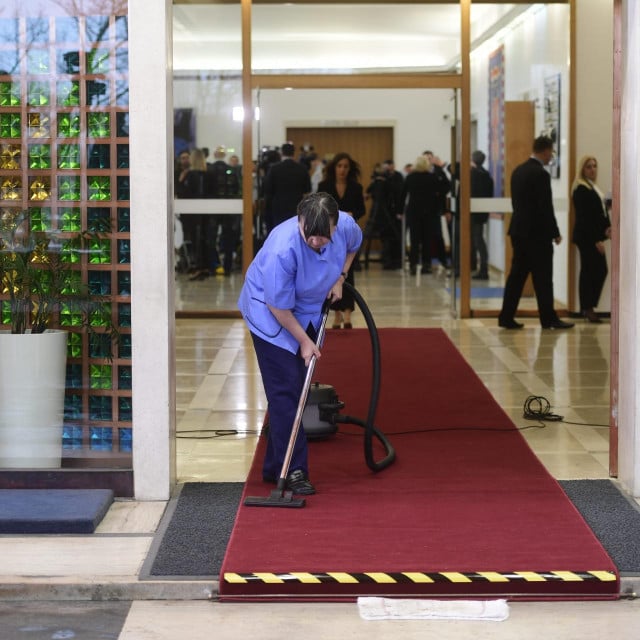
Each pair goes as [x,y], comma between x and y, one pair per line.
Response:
[368,425]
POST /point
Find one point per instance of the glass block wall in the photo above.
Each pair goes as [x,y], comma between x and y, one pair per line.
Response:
[64,159]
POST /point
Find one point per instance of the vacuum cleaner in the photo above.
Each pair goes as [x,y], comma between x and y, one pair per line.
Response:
[319,407]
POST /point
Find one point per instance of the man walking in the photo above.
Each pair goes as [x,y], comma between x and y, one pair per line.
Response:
[285,185]
[533,231]
[481,187]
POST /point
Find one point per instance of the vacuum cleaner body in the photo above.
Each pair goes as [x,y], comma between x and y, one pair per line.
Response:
[319,416]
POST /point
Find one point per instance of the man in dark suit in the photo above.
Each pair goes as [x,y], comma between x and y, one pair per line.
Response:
[285,185]
[533,231]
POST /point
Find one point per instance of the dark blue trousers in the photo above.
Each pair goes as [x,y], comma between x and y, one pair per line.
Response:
[283,375]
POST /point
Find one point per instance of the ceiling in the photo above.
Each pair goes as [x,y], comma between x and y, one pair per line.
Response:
[331,37]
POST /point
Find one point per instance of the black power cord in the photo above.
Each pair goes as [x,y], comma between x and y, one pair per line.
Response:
[539,408]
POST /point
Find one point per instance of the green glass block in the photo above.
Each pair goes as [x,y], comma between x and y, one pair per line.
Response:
[70,317]
[38,94]
[125,409]
[74,345]
[124,377]
[10,157]
[124,348]
[99,345]
[10,125]
[101,317]
[72,407]
[40,218]
[99,188]
[72,284]
[9,94]
[100,283]
[68,125]
[74,376]
[124,219]
[38,61]
[124,252]
[98,61]
[100,376]
[68,93]
[70,251]
[100,408]
[68,156]
[124,315]
[40,156]
[99,125]
[68,187]
[70,219]
[100,251]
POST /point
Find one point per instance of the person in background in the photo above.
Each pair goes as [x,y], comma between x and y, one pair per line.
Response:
[342,182]
[591,229]
[302,263]
[421,193]
[481,187]
[183,164]
[226,185]
[533,231]
[444,187]
[285,184]
[316,171]
[196,183]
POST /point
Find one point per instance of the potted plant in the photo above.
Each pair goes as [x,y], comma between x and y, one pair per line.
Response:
[40,285]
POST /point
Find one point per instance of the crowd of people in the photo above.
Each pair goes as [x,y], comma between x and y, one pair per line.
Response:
[425,196]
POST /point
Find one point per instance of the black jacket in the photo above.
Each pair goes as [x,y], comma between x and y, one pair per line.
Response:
[531,198]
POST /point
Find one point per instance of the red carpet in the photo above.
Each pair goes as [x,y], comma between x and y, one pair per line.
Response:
[466,510]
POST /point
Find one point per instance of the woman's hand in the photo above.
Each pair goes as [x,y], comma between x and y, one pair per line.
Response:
[336,291]
[308,349]
[600,247]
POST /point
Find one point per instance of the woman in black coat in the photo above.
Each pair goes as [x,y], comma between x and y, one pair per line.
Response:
[342,181]
[592,227]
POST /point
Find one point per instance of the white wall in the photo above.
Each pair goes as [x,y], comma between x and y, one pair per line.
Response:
[418,116]
[536,47]
[629,278]
[594,102]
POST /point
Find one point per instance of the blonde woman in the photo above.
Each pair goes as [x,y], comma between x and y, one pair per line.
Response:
[592,227]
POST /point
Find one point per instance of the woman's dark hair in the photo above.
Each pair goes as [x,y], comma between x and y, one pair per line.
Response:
[354,167]
[317,211]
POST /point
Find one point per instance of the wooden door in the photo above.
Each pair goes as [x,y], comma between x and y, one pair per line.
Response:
[366,145]
[519,127]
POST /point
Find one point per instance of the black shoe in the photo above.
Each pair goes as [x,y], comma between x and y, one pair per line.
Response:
[558,324]
[592,316]
[480,276]
[426,270]
[299,483]
[510,324]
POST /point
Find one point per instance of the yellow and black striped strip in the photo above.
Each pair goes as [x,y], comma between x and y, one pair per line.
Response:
[417,577]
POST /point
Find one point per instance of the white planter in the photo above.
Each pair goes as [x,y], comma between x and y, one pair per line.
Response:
[32,383]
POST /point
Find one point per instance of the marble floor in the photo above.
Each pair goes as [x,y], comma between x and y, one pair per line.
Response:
[220,407]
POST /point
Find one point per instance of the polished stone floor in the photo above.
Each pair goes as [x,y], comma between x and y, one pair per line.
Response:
[220,407]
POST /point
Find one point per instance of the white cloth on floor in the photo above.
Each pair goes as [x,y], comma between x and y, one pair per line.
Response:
[372,608]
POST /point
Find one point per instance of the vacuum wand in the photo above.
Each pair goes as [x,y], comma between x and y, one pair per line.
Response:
[280,496]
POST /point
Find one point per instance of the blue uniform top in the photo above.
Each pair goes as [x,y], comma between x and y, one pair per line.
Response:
[288,274]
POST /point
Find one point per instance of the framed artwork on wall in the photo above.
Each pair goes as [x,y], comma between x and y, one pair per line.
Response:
[552,118]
